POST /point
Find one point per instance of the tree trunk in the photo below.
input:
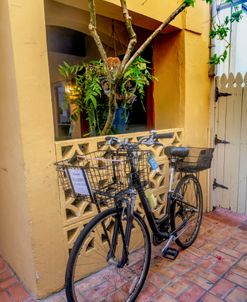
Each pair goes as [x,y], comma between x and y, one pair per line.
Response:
[112,107]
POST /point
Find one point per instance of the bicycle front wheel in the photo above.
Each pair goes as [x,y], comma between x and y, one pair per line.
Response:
[95,269]
[186,212]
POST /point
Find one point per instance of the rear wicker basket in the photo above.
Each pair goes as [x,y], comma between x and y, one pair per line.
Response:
[199,159]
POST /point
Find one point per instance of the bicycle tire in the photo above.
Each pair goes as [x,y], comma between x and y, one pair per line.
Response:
[126,288]
[190,191]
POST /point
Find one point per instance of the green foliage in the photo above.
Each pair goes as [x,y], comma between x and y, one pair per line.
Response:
[221,30]
[135,79]
[216,59]
[67,71]
[190,2]
[90,89]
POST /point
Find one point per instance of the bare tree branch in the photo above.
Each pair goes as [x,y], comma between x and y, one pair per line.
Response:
[93,30]
[155,33]
[131,33]
[112,106]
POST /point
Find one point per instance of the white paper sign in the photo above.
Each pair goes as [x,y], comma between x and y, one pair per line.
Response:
[78,181]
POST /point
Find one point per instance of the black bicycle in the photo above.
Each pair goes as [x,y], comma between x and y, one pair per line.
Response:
[111,256]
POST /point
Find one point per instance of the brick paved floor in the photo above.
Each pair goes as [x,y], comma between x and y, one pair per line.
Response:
[214,269]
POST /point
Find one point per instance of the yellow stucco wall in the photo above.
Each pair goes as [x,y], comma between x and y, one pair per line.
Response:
[31,233]
[147,15]
[168,62]
[182,91]
[15,229]
[32,238]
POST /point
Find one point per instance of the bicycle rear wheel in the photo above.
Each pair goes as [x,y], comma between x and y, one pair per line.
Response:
[92,276]
[186,212]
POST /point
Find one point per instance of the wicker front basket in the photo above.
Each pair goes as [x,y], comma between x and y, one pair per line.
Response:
[107,172]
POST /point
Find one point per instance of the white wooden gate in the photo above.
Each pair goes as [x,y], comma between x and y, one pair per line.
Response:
[229,173]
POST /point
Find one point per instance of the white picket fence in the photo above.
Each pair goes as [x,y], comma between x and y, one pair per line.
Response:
[230,160]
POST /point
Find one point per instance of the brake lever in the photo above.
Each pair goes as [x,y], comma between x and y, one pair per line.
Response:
[112,141]
[147,142]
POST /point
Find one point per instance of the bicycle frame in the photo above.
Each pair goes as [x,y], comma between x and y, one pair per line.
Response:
[136,185]
[153,222]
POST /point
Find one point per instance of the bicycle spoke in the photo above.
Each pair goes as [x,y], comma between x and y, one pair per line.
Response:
[186,217]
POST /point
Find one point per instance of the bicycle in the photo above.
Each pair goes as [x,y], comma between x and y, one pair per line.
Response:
[116,244]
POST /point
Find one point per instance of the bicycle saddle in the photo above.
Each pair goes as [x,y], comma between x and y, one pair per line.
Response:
[176,151]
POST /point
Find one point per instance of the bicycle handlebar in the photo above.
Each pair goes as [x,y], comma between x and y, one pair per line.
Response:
[164,135]
[145,140]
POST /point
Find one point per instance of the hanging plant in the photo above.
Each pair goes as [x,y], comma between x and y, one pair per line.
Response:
[89,90]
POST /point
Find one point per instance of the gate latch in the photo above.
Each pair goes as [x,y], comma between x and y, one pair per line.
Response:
[219,94]
[219,141]
[216,185]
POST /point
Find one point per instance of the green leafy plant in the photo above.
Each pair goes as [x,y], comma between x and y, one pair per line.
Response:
[221,29]
[88,88]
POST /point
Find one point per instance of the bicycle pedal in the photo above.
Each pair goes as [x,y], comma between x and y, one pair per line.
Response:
[170,253]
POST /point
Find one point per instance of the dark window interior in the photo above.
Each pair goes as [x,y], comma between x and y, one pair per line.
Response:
[67,41]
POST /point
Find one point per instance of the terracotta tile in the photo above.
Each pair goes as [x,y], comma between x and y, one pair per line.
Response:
[230,252]
[202,282]
[197,252]
[210,298]
[237,295]
[30,299]
[18,293]
[157,280]
[177,287]
[117,280]
[200,241]
[232,243]
[241,247]
[147,292]
[90,282]
[208,262]
[208,247]
[239,271]
[190,257]
[6,274]
[162,297]
[4,297]
[213,278]
[60,298]
[169,274]
[183,266]
[192,294]
[243,262]
[117,296]
[241,236]
[8,282]
[221,268]
[223,257]
[222,288]
[239,280]
[99,291]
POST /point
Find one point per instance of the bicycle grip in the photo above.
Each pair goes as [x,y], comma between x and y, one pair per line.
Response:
[164,135]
